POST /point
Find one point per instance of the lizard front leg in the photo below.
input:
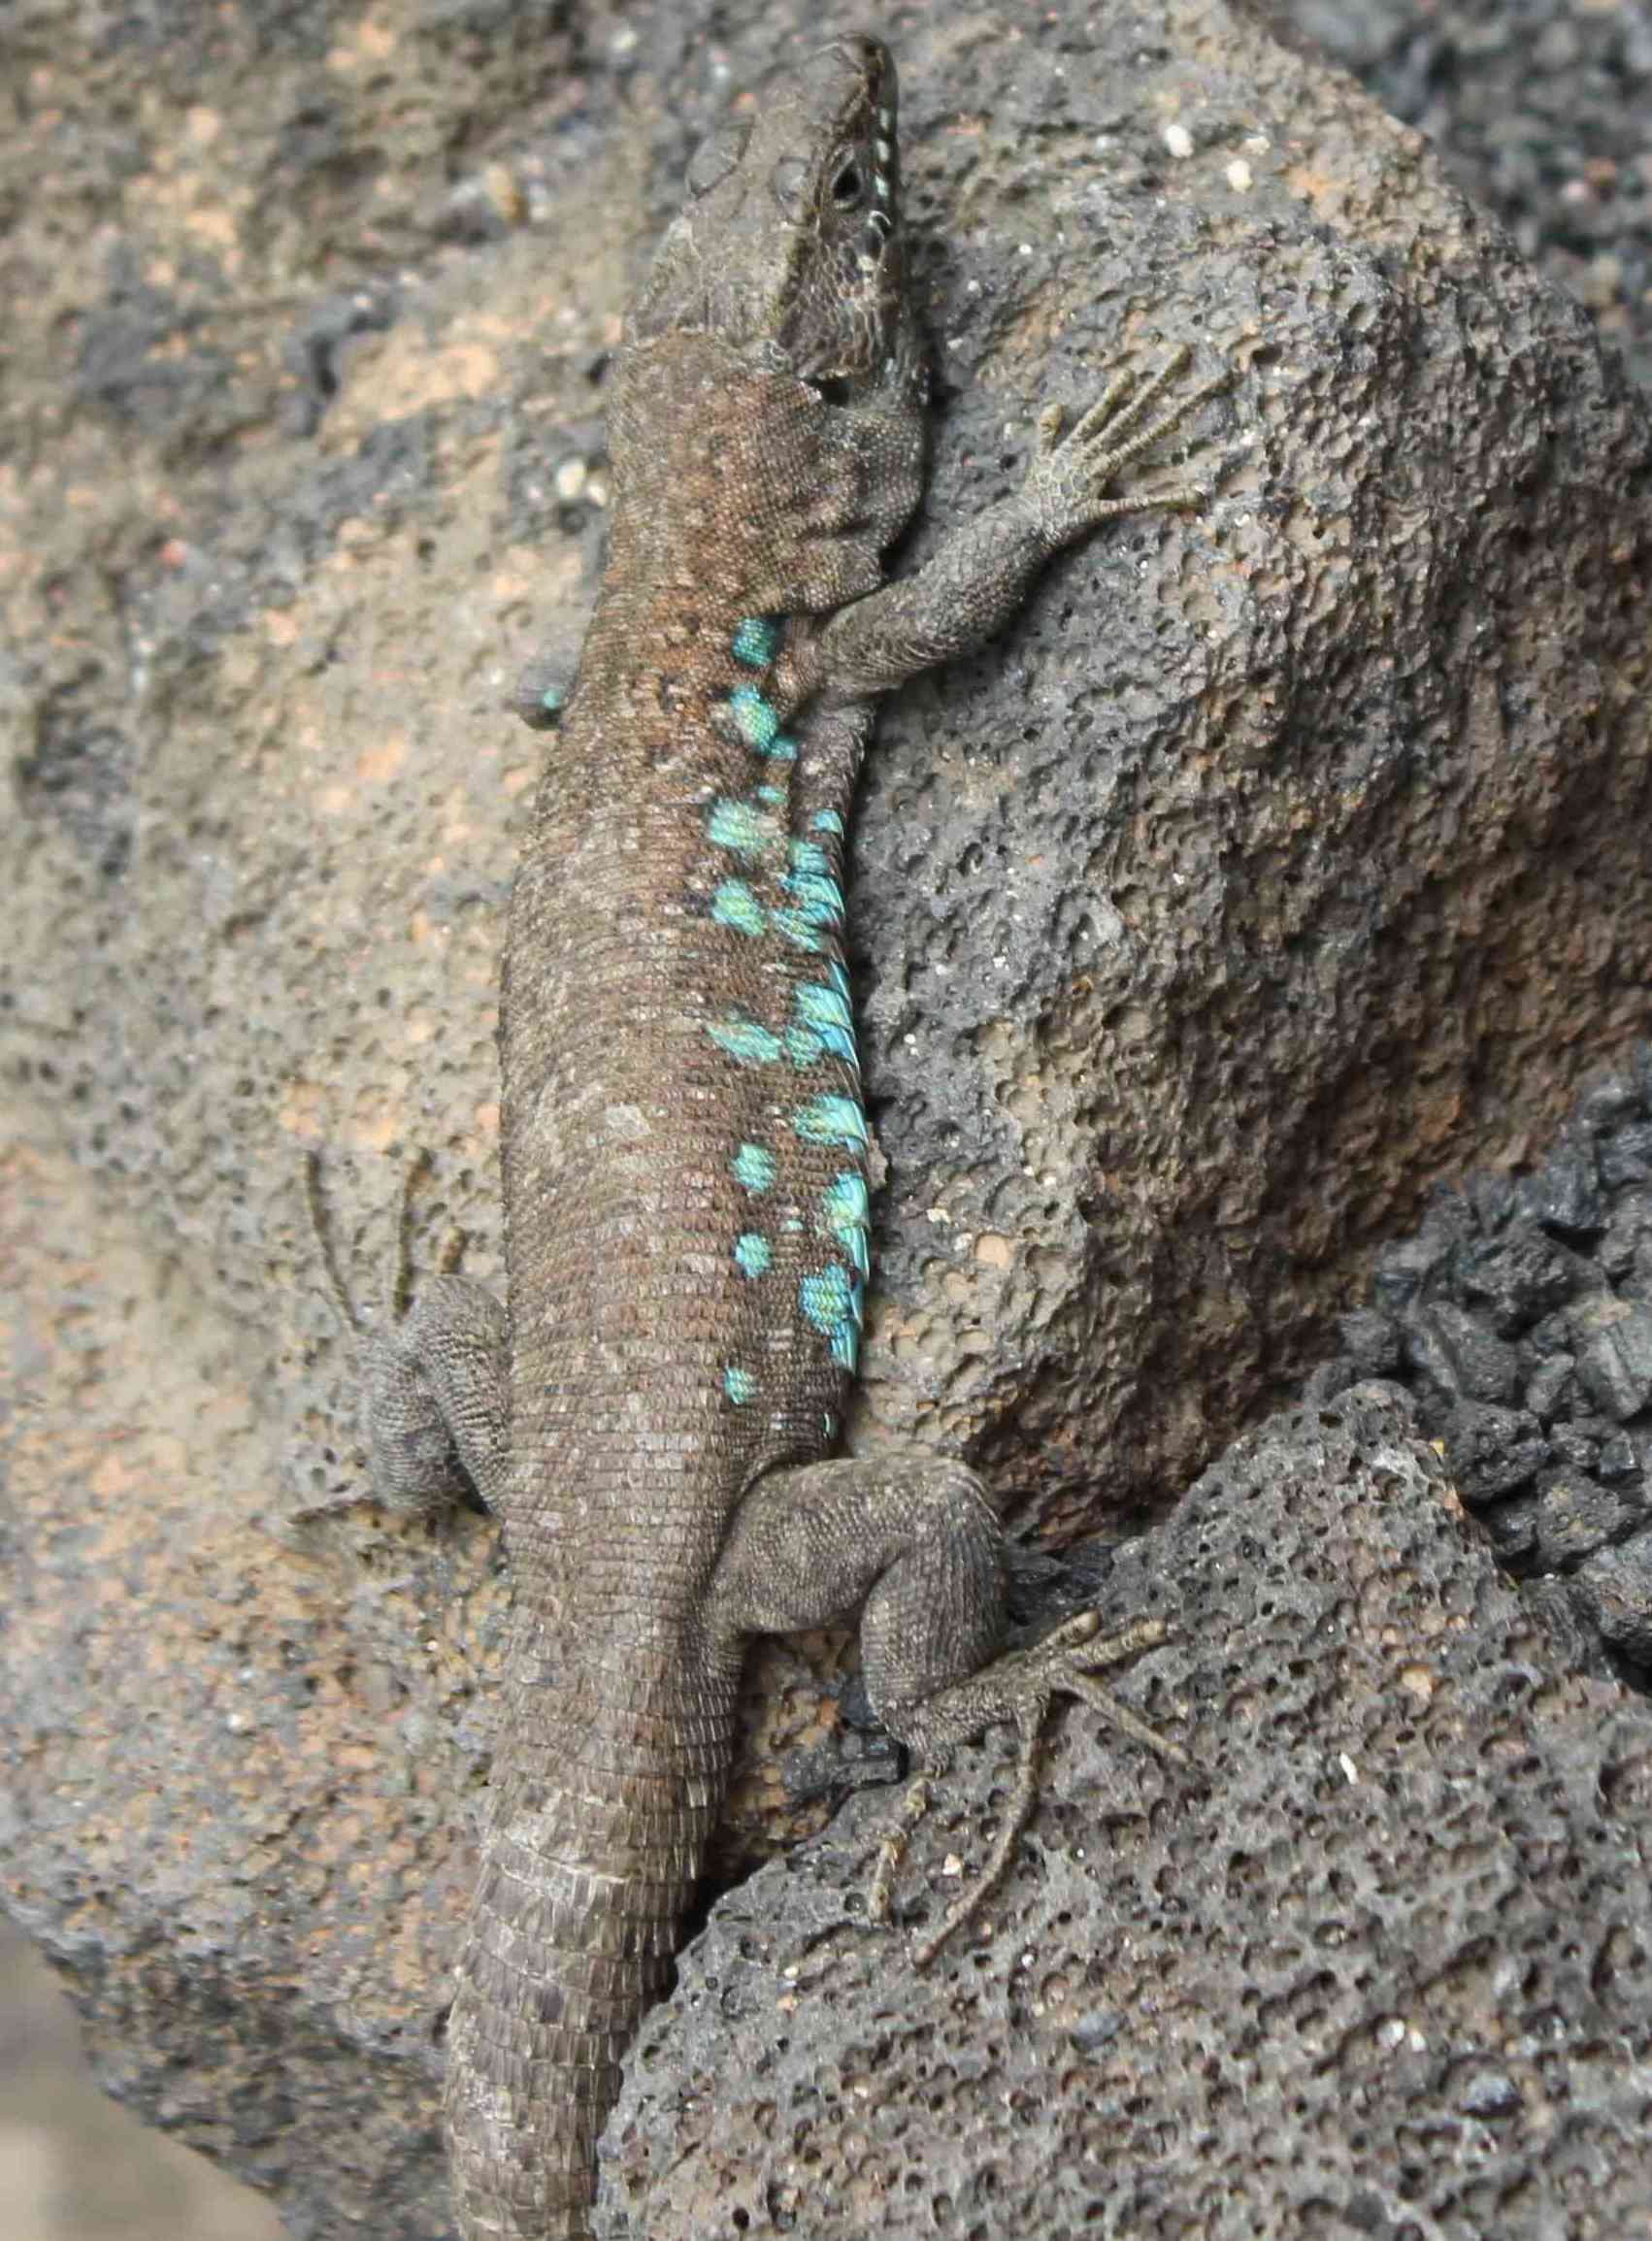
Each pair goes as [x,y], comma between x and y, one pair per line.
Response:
[915,1541]
[983,572]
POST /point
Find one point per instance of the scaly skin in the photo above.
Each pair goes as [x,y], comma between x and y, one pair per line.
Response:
[684,1150]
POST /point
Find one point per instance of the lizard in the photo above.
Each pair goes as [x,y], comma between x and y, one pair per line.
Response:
[653,1413]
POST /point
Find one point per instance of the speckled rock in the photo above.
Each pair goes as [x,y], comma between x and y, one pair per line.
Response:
[1389,1971]
[1509,1288]
[1274,861]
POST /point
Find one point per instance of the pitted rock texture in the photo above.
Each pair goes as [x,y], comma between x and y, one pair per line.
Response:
[1270,865]
[1389,1972]
[1520,1316]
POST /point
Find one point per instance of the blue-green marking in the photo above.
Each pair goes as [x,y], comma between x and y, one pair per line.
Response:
[755,718]
[745,1040]
[739,1385]
[801,932]
[753,1169]
[737,825]
[828,821]
[755,642]
[831,1120]
[827,1014]
[814,893]
[843,1207]
[826,1296]
[804,1047]
[774,796]
[832,1302]
[752,1253]
[735,905]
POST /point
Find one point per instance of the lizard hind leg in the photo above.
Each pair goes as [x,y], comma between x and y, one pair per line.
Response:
[915,1541]
[432,1369]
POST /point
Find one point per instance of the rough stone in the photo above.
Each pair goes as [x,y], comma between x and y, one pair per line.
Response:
[1576,1517]
[1492,1450]
[1614,1356]
[1454,1351]
[1618,1582]
[1412,1904]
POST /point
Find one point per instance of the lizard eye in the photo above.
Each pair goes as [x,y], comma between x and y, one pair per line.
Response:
[848,187]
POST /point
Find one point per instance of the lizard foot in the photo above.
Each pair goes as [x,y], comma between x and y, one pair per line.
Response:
[1019,1687]
[432,1370]
[1070,472]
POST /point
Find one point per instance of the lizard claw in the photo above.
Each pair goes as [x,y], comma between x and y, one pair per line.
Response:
[1018,1687]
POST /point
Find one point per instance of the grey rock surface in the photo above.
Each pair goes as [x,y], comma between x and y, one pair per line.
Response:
[1389,1972]
[1278,860]
[1519,1314]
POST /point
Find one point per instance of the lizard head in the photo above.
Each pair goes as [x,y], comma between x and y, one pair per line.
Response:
[789,245]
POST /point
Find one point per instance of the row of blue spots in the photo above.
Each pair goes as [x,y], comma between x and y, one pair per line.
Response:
[822,1025]
[830,1298]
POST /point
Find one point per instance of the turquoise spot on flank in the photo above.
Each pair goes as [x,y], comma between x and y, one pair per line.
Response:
[735,905]
[781,748]
[817,895]
[832,1303]
[755,642]
[737,825]
[754,719]
[826,1297]
[803,1047]
[752,1254]
[846,1200]
[831,1120]
[793,1225]
[792,926]
[551,700]
[739,1385]
[828,821]
[844,1208]
[745,1040]
[810,856]
[753,1169]
[826,1013]
[774,796]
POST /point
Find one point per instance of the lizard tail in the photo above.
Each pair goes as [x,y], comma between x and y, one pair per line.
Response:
[587,1870]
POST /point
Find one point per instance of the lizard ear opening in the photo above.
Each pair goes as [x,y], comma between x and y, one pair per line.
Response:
[791,186]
